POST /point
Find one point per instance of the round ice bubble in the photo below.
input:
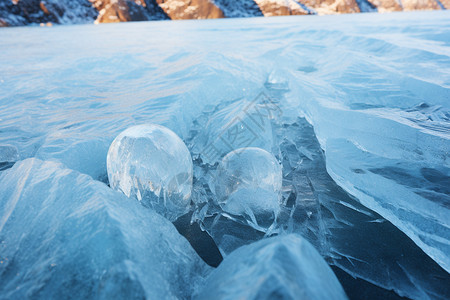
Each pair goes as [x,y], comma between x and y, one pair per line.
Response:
[151,163]
[248,183]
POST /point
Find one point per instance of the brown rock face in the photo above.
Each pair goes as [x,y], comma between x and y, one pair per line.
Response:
[420,5]
[190,9]
[446,4]
[386,5]
[112,11]
[44,8]
[271,8]
[406,5]
[327,7]
[322,7]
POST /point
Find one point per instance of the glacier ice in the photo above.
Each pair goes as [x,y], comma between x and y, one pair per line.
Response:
[363,98]
[347,234]
[248,183]
[422,192]
[387,136]
[151,163]
[284,267]
[64,234]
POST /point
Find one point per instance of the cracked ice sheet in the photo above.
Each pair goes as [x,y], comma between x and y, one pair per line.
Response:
[380,82]
[349,235]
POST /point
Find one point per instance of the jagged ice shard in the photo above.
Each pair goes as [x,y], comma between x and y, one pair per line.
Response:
[65,235]
[355,108]
[285,267]
[151,163]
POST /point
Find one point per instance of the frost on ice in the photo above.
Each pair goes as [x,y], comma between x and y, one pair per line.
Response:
[284,267]
[65,235]
[152,164]
[248,183]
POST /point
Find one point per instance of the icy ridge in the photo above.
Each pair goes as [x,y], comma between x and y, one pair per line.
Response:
[64,235]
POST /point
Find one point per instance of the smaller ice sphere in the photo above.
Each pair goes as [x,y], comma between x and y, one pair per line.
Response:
[248,184]
[151,163]
[277,80]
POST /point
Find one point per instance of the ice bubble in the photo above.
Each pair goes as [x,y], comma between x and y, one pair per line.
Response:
[151,163]
[277,80]
[248,184]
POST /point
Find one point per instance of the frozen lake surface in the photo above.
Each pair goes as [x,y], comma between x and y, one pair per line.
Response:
[356,108]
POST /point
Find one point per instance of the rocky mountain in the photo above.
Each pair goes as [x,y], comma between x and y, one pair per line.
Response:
[25,12]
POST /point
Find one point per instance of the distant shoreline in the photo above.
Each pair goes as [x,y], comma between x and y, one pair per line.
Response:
[65,12]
